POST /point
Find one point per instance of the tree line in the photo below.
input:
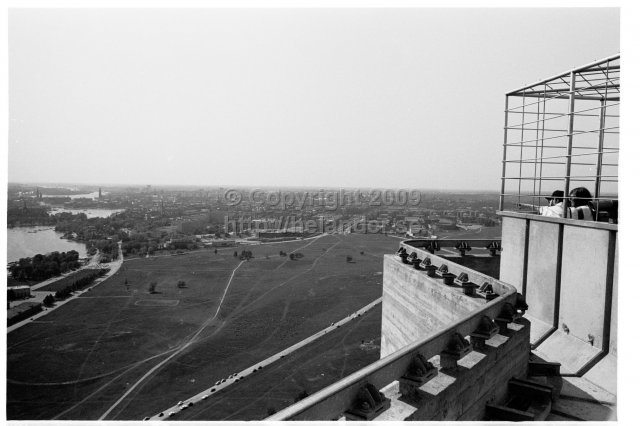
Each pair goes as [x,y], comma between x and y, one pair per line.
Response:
[76,285]
[44,266]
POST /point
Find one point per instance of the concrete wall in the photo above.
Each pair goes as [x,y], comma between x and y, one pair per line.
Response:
[584,255]
[512,255]
[541,270]
[481,377]
[613,340]
[414,305]
[583,282]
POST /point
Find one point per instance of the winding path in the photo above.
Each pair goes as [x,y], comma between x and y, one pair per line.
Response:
[177,352]
[165,414]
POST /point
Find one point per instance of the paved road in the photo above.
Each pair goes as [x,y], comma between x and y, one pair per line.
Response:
[114,266]
[38,296]
[236,377]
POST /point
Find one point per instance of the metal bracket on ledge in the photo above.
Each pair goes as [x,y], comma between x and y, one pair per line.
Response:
[443,269]
[485,331]
[457,348]
[463,247]
[420,371]
[507,315]
[416,263]
[368,404]
[462,278]
[494,248]
[486,291]
[432,246]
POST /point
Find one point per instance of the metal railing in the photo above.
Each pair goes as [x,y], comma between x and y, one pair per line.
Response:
[331,402]
[563,133]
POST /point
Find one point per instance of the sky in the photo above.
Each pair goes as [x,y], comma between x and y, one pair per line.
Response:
[409,98]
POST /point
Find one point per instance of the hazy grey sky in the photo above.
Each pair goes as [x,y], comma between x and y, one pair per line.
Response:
[320,97]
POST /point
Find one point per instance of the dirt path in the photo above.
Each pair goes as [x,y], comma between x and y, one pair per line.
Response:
[177,352]
[276,357]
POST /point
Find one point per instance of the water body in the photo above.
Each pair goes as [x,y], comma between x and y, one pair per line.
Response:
[89,212]
[32,240]
[92,195]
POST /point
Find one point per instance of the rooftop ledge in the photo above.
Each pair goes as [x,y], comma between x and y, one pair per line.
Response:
[565,221]
[331,402]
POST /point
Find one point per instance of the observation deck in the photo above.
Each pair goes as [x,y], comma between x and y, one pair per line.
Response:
[521,328]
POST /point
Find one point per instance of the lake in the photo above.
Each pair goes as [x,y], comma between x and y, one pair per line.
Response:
[32,240]
[92,195]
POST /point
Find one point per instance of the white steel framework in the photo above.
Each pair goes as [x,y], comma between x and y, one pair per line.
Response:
[562,133]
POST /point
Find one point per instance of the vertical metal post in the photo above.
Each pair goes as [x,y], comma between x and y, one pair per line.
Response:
[524,101]
[544,119]
[567,177]
[535,164]
[525,258]
[603,106]
[558,286]
[504,150]
[608,295]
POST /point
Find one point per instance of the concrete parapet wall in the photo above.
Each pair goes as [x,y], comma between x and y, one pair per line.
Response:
[421,316]
[583,283]
[481,377]
[567,270]
[414,305]
[488,265]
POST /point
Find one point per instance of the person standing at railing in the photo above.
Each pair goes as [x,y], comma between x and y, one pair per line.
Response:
[555,207]
[579,204]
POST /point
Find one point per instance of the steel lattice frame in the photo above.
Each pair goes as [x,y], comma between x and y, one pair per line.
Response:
[563,132]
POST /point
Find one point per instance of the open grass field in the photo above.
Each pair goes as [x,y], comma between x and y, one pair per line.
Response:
[119,352]
[309,369]
[63,283]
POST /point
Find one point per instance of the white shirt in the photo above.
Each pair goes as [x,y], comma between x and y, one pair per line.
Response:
[553,211]
[579,213]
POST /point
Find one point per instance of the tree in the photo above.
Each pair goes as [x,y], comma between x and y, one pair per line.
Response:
[215,251]
[349,259]
[152,287]
[235,254]
[48,301]
[182,284]
[292,256]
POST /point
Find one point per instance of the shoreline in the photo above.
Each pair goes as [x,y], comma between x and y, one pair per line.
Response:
[20,248]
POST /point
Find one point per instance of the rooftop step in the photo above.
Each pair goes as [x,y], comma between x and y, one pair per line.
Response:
[526,401]
[574,354]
